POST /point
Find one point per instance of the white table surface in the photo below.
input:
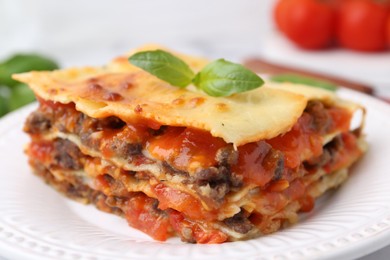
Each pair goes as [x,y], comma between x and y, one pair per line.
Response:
[91,32]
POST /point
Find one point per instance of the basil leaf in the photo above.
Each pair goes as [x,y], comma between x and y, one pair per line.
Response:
[164,66]
[223,78]
[3,106]
[23,63]
[4,93]
[20,95]
[299,79]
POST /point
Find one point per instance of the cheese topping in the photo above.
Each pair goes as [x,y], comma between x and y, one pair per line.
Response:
[125,91]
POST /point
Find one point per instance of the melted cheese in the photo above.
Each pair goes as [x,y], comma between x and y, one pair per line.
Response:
[123,90]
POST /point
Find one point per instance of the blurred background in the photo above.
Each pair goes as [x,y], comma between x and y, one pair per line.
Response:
[91,32]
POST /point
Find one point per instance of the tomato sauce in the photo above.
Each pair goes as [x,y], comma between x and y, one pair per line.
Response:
[341,119]
[183,146]
[41,151]
[344,157]
[180,224]
[307,203]
[252,163]
[65,114]
[140,214]
[301,142]
[130,134]
[54,105]
[171,198]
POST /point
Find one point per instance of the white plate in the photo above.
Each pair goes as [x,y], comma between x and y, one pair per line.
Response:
[38,223]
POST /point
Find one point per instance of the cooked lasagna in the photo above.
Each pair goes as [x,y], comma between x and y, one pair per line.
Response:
[176,162]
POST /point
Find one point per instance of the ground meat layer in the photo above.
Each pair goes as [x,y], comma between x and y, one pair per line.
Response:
[110,194]
[114,139]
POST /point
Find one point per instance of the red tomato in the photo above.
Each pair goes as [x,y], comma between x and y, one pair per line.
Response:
[362,25]
[388,31]
[308,23]
[278,13]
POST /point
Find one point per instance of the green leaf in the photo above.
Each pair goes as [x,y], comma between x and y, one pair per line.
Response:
[23,63]
[164,66]
[299,79]
[3,106]
[3,100]
[20,95]
[224,78]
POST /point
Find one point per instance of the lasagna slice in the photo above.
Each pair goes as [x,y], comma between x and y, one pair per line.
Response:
[176,162]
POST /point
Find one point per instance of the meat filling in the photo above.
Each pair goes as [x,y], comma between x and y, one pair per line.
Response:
[273,168]
[239,223]
[67,155]
[213,182]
